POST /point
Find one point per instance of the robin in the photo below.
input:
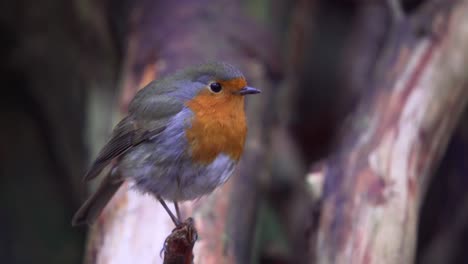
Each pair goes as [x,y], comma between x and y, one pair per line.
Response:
[182,138]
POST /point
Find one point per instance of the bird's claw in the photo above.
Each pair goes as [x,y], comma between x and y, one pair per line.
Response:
[184,232]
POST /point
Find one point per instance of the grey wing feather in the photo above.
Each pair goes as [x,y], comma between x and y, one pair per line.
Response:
[125,137]
[150,111]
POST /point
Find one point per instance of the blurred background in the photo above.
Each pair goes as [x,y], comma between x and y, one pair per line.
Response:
[68,70]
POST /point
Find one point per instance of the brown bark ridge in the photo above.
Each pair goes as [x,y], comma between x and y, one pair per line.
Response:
[375,182]
[164,36]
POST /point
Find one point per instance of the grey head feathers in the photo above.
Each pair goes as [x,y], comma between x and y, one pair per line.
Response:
[211,71]
[174,90]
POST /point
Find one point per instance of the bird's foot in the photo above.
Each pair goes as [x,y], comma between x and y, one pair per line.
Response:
[182,236]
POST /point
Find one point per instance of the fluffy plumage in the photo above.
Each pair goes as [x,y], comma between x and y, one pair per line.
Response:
[179,141]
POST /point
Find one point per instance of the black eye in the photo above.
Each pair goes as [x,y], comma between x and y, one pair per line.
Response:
[215,87]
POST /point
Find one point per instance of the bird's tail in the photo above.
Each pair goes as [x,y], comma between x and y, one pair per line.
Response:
[91,209]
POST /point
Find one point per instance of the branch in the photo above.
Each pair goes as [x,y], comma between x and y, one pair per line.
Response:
[178,246]
[376,181]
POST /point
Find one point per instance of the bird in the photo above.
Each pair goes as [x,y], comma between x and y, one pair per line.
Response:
[182,137]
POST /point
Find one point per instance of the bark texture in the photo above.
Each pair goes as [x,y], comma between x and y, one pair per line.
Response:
[375,183]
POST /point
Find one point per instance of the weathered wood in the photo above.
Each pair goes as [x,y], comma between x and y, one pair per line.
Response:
[375,183]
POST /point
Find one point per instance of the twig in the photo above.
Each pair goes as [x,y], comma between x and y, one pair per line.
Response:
[179,244]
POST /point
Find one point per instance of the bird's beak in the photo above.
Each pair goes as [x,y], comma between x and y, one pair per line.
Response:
[248,90]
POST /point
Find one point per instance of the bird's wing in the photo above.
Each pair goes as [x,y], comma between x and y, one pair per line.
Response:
[126,135]
[149,113]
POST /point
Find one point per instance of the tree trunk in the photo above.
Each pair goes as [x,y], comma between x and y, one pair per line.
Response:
[375,183]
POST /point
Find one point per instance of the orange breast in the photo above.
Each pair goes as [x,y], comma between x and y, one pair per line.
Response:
[218,126]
